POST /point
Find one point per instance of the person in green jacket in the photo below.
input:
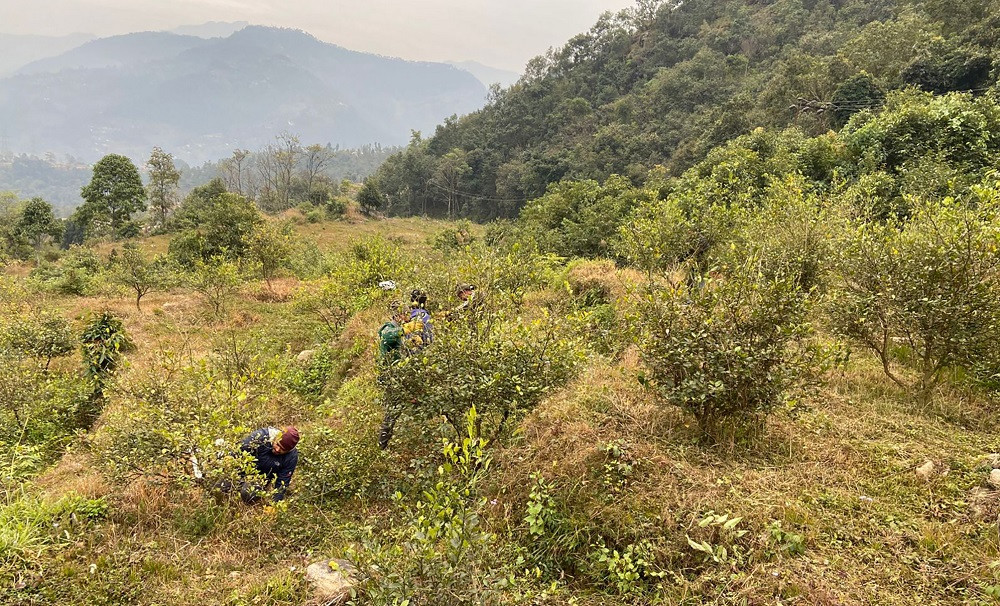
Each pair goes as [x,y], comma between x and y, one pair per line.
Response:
[390,351]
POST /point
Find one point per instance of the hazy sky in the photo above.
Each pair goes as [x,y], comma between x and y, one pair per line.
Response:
[502,33]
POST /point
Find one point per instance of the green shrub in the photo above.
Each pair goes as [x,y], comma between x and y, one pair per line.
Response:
[133,272]
[726,350]
[580,218]
[442,552]
[922,294]
[77,273]
[454,238]
[217,281]
[185,427]
[43,335]
[487,358]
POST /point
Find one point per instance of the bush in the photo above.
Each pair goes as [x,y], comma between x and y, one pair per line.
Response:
[580,218]
[454,238]
[43,335]
[217,281]
[269,247]
[728,350]
[342,459]
[103,343]
[922,294]
[77,274]
[132,271]
[487,358]
[199,411]
[217,226]
[43,410]
[442,552]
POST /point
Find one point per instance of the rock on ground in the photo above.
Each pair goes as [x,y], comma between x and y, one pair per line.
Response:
[995,478]
[925,471]
[332,581]
[305,356]
[990,462]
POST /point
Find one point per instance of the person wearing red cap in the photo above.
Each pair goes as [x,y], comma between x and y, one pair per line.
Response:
[275,457]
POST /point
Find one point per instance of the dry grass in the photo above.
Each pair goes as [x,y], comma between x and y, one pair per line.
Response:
[838,471]
[841,474]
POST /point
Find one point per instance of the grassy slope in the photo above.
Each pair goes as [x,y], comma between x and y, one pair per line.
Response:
[840,472]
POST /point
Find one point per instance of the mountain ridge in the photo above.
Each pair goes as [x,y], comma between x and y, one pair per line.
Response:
[202,98]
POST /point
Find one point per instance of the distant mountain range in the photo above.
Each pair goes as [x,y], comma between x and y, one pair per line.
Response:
[200,97]
[18,51]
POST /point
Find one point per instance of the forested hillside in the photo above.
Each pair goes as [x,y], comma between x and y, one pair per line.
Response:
[664,83]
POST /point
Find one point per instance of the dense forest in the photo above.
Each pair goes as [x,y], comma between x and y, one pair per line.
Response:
[665,82]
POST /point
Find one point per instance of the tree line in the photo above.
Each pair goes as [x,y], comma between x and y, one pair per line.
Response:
[663,83]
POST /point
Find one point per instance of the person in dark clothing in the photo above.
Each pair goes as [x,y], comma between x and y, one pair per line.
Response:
[275,457]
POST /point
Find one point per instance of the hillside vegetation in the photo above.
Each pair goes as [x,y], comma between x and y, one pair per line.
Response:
[665,82]
[762,374]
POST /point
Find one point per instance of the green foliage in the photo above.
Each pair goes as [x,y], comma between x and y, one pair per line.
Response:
[488,359]
[727,350]
[856,94]
[104,343]
[579,219]
[269,246]
[30,526]
[113,195]
[629,571]
[442,552]
[954,132]
[213,224]
[42,411]
[921,294]
[217,281]
[663,83]
[162,187]
[77,273]
[185,423]
[341,459]
[721,545]
[370,198]
[454,238]
[35,225]
[786,541]
[131,270]
[43,336]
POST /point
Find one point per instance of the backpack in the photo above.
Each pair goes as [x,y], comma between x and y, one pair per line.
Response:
[417,331]
[390,341]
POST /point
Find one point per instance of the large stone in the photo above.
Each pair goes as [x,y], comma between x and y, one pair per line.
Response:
[925,471]
[990,462]
[305,356]
[332,581]
[995,478]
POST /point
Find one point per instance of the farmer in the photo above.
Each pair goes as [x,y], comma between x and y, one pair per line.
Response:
[275,457]
[465,294]
[391,350]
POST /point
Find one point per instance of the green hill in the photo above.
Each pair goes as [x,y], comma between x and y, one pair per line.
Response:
[663,83]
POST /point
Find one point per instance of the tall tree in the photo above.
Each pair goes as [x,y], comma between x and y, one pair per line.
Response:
[448,177]
[37,223]
[317,158]
[114,194]
[236,172]
[163,181]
